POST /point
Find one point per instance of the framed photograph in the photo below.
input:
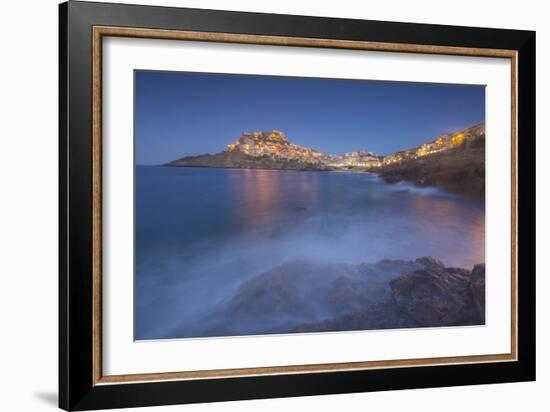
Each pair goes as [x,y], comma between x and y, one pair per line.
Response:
[257,205]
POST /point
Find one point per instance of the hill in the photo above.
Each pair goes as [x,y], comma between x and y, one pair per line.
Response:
[240,160]
[457,165]
[272,150]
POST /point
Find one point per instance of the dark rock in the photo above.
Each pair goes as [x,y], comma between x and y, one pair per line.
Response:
[295,293]
[379,315]
[436,296]
[430,296]
[239,160]
[430,263]
[458,169]
[302,292]
[477,286]
[303,296]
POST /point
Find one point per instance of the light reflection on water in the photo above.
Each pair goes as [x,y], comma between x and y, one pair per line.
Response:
[201,232]
[262,196]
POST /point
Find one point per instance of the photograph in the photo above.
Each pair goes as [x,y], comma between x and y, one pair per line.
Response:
[290,205]
[282,203]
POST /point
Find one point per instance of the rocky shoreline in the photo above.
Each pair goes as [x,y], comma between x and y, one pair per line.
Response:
[460,170]
[431,297]
[304,296]
[454,163]
[239,160]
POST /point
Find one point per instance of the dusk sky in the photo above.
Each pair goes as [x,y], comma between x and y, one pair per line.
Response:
[179,114]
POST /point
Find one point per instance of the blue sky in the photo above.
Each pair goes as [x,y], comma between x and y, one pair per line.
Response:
[179,114]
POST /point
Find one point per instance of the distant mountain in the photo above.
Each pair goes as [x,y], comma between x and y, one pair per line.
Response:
[272,150]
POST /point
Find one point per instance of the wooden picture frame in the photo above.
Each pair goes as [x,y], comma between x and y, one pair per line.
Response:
[83,26]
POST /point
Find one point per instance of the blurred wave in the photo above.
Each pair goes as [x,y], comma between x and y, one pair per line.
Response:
[201,233]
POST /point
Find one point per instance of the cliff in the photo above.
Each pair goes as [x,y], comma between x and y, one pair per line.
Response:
[457,167]
[439,145]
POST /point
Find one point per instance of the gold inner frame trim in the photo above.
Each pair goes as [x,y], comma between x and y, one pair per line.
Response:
[101,31]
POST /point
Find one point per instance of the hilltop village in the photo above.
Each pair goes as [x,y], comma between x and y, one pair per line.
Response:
[273,150]
[275,144]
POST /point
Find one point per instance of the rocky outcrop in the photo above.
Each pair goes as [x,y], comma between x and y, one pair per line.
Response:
[260,150]
[272,150]
[303,296]
[477,286]
[436,296]
[300,292]
[455,162]
[457,169]
[240,160]
[383,314]
[440,144]
[429,297]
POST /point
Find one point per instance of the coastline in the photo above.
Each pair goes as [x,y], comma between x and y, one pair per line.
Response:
[454,163]
[387,294]
[388,177]
[245,168]
[291,240]
[460,170]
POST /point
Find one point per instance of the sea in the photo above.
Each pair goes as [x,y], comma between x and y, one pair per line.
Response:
[201,232]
